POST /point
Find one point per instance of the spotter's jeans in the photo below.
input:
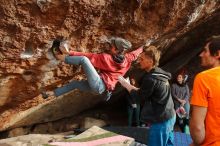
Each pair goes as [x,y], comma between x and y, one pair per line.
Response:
[161,134]
[93,83]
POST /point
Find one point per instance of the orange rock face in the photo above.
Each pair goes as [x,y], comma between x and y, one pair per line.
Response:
[28,28]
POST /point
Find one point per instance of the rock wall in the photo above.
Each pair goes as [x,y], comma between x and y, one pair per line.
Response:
[28,28]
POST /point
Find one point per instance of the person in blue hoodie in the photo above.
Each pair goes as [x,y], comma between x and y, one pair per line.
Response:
[158,109]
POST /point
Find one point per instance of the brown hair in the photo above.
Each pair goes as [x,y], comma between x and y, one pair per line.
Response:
[214,44]
[153,53]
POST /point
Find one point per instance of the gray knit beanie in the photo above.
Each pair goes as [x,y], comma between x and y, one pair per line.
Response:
[120,43]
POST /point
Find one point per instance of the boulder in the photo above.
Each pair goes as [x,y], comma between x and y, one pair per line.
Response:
[89,122]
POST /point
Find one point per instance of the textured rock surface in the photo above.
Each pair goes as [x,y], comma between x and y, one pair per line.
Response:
[31,139]
[92,136]
[88,122]
[28,27]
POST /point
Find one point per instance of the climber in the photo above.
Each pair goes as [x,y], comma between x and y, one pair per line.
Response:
[110,66]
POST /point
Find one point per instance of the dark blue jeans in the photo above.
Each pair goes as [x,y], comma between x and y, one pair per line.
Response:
[161,134]
[187,108]
[134,112]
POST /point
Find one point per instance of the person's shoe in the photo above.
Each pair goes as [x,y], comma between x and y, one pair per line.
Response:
[55,47]
[44,95]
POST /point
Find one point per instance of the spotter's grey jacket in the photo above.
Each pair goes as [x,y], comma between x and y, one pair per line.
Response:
[156,92]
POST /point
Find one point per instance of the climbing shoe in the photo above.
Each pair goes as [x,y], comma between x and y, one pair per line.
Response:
[56,47]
